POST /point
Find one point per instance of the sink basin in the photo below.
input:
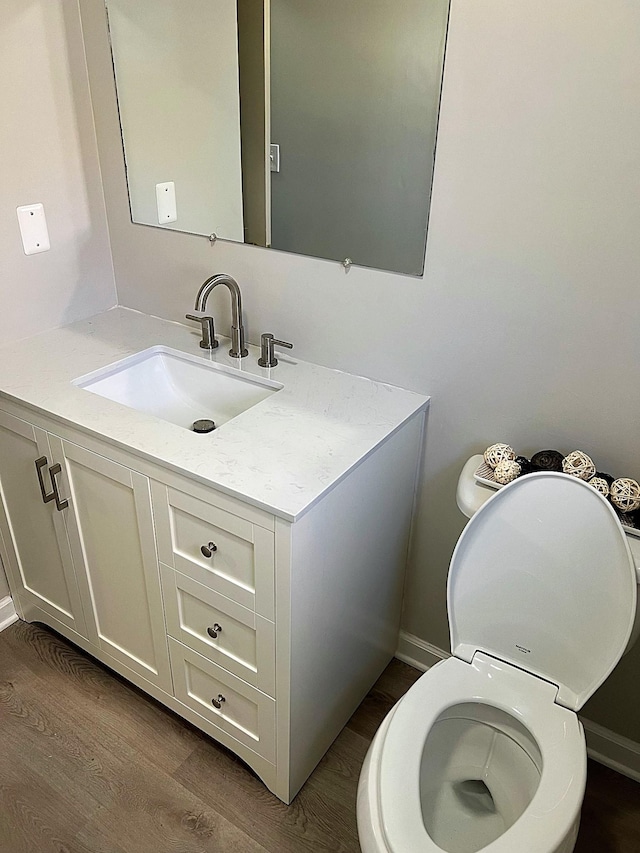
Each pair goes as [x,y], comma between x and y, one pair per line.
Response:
[177,387]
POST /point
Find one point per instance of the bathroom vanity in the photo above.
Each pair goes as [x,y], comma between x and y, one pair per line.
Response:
[250,578]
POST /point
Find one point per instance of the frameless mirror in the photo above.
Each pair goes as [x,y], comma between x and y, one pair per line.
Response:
[302,125]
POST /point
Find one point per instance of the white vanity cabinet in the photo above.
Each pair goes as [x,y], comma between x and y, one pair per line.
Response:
[251,579]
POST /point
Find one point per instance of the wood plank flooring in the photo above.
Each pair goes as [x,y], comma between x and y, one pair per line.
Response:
[88,763]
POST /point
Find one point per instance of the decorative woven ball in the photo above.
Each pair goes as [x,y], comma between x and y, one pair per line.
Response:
[547,460]
[578,464]
[498,453]
[625,494]
[506,471]
[600,485]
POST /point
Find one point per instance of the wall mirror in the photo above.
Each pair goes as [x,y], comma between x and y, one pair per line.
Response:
[307,126]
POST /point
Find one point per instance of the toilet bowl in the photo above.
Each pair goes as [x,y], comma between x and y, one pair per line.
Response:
[486,752]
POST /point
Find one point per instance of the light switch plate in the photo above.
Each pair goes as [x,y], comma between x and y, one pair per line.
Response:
[166,201]
[274,157]
[33,229]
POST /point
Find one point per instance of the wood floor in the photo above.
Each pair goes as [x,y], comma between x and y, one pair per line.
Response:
[88,763]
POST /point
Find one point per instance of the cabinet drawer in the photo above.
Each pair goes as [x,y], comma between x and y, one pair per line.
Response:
[222,630]
[244,712]
[240,563]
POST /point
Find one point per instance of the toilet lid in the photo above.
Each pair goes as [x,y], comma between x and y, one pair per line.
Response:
[542,577]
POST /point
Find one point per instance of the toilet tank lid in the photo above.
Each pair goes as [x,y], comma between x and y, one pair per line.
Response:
[542,578]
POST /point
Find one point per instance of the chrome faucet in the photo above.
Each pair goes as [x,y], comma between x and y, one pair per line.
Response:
[238,349]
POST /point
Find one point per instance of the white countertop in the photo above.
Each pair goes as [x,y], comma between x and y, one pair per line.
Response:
[281,455]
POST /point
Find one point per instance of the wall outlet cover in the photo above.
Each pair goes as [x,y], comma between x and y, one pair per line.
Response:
[33,229]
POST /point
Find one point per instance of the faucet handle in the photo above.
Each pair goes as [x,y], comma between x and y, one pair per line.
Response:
[208,331]
[267,344]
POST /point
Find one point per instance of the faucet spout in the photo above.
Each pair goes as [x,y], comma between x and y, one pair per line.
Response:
[238,349]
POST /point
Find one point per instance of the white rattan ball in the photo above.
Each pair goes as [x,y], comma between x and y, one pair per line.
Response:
[506,471]
[625,494]
[498,453]
[600,485]
[578,464]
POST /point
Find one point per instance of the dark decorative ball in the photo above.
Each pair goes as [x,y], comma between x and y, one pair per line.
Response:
[625,517]
[635,517]
[606,477]
[547,460]
[526,466]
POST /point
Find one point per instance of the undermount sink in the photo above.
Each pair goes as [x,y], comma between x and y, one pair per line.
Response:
[177,387]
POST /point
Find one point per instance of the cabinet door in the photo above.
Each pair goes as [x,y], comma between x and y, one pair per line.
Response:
[34,538]
[112,539]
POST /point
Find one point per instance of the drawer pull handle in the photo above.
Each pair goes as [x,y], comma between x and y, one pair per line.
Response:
[213,632]
[208,550]
[217,703]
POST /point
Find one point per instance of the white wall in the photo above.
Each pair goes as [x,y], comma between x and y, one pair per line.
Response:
[524,326]
[48,155]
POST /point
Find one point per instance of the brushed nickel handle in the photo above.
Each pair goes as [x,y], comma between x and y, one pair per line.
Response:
[217,703]
[267,343]
[53,473]
[40,464]
[208,331]
[214,631]
[208,550]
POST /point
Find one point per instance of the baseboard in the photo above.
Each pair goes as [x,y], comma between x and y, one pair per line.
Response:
[417,652]
[617,752]
[8,613]
[603,745]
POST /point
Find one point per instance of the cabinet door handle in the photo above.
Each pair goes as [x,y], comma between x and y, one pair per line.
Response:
[53,473]
[214,631]
[217,703]
[40,464]
[208,550]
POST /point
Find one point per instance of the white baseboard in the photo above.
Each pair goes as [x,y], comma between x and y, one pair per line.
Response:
[603,745]
[617,752]
[417,652]
[8,613]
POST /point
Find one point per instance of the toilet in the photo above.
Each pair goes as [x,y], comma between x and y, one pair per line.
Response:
[486,752]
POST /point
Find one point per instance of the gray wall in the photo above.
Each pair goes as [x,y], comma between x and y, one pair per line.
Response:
[351,82]
[524,326]
[48,155]
[180,109]
[4,586]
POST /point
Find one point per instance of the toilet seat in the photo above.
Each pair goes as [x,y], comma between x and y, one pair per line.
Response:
[487,681]
[542,578]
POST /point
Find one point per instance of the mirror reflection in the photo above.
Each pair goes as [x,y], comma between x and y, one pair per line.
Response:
[307,126]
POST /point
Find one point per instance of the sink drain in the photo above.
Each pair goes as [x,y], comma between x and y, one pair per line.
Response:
[203,425]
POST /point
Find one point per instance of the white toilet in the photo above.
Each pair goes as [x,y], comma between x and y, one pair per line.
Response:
[485,752]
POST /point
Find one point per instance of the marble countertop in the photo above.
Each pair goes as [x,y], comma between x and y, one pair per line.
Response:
[281,455]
